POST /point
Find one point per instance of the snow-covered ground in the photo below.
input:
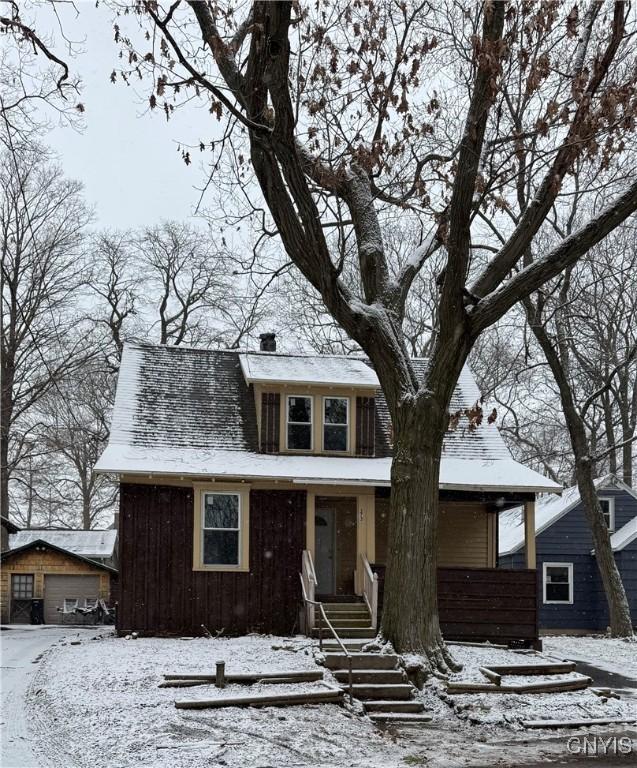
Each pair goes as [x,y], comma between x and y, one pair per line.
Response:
[97,704]
[618,656]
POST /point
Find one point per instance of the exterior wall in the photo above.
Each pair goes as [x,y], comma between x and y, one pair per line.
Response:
[569,541]
[40,562]
[160,593]
[466,535]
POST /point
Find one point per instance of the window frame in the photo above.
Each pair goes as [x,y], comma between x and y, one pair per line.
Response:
[611,511]
[221,489]
[299,423]
[346,424]
[19,576]
[571,585]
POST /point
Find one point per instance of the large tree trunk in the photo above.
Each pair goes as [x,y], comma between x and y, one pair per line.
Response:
[618,608]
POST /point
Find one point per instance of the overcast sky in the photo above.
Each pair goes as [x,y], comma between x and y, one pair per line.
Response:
[126,157]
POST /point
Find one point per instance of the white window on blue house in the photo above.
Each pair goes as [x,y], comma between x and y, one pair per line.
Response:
[608,509]
[558,583]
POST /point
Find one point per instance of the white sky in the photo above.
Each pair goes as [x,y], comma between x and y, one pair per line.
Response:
[126,157]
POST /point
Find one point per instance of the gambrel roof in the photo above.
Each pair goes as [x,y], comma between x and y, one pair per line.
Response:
[89,544]
[183,411]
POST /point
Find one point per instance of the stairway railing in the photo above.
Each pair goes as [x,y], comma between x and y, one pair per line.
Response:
[308,578]
[370,590]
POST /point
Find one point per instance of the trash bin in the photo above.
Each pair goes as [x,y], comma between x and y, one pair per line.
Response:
[37,611]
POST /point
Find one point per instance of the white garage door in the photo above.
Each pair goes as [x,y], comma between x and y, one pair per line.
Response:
[59,588]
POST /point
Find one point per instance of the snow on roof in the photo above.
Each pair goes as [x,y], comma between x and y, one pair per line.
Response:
[548,510]
[182,411]
[307,369]
[624,536]
[86,543]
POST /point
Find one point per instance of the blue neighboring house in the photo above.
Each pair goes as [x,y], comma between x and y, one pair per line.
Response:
[571,593]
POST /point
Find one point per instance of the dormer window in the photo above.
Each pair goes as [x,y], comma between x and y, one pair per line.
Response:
[608,510]
[335,424]
[299,423]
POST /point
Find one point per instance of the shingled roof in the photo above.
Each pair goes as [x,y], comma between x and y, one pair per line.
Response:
[184,411]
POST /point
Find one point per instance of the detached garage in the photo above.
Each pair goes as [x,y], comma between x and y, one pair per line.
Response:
[63,581]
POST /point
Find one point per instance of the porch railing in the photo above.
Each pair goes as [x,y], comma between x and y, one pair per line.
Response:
[370,590]
[308,579]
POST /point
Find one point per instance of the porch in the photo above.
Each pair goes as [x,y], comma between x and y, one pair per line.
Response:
[343,567]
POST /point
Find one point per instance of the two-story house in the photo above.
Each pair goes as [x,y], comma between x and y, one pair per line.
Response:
[572,596]
[241,470]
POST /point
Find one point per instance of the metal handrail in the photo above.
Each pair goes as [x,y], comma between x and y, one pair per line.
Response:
[370,590]
[322,616]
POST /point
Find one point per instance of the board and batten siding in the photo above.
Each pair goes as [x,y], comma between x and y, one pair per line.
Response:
[569,540]
[466,534]
[161,594]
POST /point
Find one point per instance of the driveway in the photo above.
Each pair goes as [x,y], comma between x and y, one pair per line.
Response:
[21,647]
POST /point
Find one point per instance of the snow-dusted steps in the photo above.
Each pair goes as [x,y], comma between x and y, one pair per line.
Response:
[382,686]
[350,619]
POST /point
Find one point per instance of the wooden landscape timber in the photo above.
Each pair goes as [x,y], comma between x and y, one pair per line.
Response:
[578,723]
[543,686]
[245,678]
[330,696]
[495,672]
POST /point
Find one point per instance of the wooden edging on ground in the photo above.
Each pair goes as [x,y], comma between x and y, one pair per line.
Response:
[578,723]
[543,686]
[331,696]
[308,676]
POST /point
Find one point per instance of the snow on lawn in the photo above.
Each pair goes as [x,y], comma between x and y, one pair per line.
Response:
[97,704]
[614,655]
[512,709]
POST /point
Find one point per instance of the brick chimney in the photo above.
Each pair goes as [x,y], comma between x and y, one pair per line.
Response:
[268,342]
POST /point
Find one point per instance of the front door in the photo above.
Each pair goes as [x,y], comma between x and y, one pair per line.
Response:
[325,561]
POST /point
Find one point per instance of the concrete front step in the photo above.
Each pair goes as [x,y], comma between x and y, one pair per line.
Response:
[380,691]
[413,705]
[348,633]
[361,661]
[335,615]
[382,676]
[406,718]
[353,646]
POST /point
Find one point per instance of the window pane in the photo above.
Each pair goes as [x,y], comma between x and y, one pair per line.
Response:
[221,547]
[334,438]
[222,511]
[557,592]
[557,575]
[22,586]
[335,410]
[300,437]
[300,409]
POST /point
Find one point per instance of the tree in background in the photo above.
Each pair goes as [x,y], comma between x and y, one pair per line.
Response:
[349,115]
[43,219]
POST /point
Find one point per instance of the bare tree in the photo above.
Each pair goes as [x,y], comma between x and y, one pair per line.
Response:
[354,112]
[42,221]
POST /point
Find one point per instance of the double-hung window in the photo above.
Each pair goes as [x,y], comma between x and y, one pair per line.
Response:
[335,424]
[299,423]
[558,582]
[221,535]
[608,510]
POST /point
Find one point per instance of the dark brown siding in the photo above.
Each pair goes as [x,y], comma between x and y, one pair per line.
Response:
[365,425]
[484,604]
[270,423]
[161,594]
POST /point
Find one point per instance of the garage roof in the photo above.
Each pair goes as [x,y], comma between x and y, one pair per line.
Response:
[43,545]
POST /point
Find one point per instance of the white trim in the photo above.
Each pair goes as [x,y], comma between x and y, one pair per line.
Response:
[569,567]
[238,529]
[611,511]
[346,424]
[299,423]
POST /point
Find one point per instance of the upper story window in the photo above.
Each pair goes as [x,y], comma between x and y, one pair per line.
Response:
[299,423]
[608,510]
[335,423]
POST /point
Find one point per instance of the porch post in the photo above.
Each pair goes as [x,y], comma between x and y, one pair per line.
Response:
[529,533]
[310,524]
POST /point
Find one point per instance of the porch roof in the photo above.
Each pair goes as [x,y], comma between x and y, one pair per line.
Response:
[455,474]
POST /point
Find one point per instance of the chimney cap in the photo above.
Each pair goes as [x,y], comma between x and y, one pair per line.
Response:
[268,342]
